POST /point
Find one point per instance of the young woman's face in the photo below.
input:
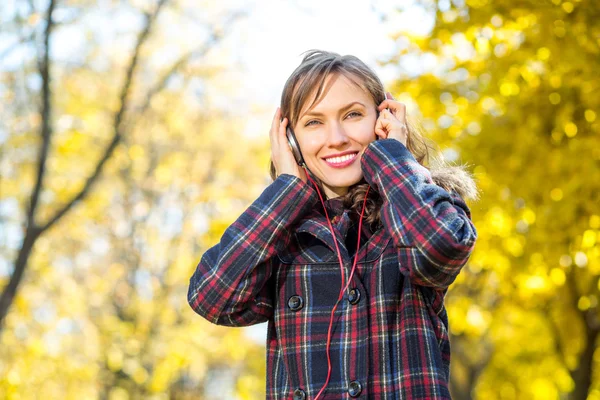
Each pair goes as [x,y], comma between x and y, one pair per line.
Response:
[335,132]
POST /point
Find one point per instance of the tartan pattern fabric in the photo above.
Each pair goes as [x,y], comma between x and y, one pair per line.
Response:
[277,263]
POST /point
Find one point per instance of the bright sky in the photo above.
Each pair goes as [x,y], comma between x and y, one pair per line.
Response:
[259,51]
[269,44]
[272,39]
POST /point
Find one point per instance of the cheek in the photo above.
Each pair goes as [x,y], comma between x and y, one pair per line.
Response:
[310,146]
[366,133]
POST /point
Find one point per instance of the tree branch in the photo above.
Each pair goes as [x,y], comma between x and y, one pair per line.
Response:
[215,35]
[32,232]
[118,119]
[46,128]
[555,332]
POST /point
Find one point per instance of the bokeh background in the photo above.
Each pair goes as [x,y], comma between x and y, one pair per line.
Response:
[132,133]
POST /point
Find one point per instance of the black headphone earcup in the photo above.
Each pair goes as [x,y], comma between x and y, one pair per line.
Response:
[295,147]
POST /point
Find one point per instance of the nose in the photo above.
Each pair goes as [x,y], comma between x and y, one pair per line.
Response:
[337,135]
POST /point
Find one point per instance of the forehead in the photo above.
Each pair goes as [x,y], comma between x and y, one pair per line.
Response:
[338,91]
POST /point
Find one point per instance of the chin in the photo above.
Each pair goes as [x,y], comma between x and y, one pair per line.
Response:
[342,183]
[342,178]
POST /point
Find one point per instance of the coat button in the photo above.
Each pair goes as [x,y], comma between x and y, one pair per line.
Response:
[354,389]
[299,394]
[295,303]
[354,296]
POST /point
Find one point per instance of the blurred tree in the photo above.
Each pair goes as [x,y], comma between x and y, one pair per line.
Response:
[34,228]
[511,87]
[112,157]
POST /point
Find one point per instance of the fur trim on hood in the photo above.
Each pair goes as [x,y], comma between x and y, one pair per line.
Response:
[457,178]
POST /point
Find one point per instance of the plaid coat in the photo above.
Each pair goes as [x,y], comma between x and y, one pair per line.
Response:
[277,263]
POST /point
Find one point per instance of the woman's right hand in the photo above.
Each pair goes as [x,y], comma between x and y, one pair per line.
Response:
[281,154]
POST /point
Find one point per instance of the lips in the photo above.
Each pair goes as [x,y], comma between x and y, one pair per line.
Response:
[341,160]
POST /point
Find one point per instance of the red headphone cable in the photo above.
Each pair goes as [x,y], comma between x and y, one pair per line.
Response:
[341,271]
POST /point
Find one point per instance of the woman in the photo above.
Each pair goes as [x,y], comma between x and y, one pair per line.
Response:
[385,334]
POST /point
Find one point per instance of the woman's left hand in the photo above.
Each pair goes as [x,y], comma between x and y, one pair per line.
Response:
[391,123]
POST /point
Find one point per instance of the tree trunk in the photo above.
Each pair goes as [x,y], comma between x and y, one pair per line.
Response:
[10,291]
[582,376]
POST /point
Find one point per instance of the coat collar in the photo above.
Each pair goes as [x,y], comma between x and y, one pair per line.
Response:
[316,225]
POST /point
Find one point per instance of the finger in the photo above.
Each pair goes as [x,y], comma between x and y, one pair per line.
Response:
[388,95]
[384,104]
[397,108]
[391,104]
[275,126]
[401,113]
[276,117]
[382,125]
[388,117]
[282,137]
[403,126]
[381,133]
[386,113]
[282,128]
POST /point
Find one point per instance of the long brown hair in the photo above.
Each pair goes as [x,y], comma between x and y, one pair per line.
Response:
[312,73]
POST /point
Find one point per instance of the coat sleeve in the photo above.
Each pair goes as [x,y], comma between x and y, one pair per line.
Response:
[230,285]
[431,227]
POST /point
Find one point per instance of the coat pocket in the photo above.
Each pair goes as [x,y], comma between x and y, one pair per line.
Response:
[307,249]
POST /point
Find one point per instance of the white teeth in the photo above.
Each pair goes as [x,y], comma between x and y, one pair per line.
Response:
[338,160]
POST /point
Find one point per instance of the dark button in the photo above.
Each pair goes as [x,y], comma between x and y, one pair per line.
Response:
[295,303]
[354,296]
[354,389]
[299,394]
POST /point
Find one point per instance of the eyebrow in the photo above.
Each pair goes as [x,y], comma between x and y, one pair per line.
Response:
[318,114]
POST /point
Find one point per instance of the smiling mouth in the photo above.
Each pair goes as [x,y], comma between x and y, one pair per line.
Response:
[341,161]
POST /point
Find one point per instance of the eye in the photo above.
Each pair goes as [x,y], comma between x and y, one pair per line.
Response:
[354,113]
[311,122]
